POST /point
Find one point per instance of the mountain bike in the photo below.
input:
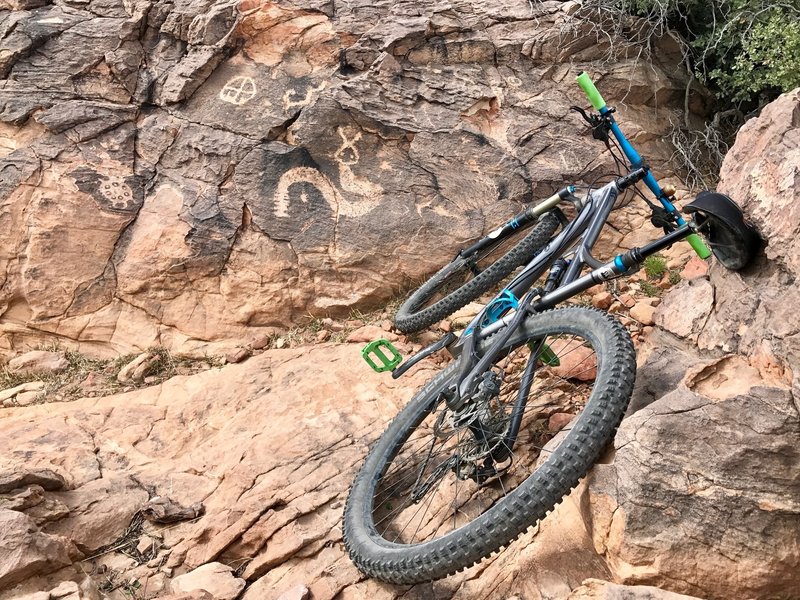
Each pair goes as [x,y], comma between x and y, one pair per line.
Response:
[494,441]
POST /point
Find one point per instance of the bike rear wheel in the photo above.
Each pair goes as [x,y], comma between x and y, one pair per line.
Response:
[464,279]
[428,503]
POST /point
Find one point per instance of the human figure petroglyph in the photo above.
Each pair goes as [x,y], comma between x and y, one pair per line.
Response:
[239,90]
[348,155]
[288,102]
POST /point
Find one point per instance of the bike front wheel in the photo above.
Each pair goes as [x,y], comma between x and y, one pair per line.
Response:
[466,278]
[441,489]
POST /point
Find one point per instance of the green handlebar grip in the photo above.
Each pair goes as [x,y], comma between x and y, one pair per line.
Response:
[590,90]
[698,245]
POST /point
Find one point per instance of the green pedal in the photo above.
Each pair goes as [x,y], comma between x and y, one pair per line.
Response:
[375,353]
[547,356]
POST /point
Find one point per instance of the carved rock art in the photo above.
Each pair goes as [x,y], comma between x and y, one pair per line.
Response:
[239,90]
[348,155]
[117,192]
[291,99]
[345,156]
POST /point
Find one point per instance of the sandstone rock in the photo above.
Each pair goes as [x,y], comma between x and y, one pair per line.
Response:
[239,355]
[643,312]
[29,386]
[602,300]
[165,510]
[22,498]
[298,592]
[126,373]
[215,578]
[50,509]
[696,267]
[260,342]
[690,441]
[684,311]
[575,361]
[369,333]
[273,138]
[26,398]
[464,315]
[145,545]
[558,421]
[193,595]
[594,589]
[45,478]
[26,551]
[627,300]
[94,382]
[39,361]
[323,335]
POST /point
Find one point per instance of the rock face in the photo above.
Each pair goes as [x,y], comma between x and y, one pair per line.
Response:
[174,172]
[703,494]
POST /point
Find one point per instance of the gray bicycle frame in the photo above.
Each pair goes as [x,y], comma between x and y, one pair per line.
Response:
[585,230]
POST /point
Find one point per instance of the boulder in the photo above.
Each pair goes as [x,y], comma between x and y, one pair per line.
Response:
[39,361]
[215,578]
[700,495]
[26,551]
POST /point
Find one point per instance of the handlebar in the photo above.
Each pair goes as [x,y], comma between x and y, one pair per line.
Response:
[588,87]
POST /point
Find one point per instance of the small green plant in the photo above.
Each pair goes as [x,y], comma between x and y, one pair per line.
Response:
[674,277]
[648,289]
[655,266]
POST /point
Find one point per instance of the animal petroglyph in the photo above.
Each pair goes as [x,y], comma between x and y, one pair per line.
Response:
[239,90]
[346,155]
[117,192]
[290,102]
[308,175]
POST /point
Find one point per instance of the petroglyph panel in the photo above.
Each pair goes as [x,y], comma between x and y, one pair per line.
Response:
[117,192]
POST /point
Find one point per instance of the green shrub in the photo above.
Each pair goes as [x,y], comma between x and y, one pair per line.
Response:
[655,266]
[648,289]
[746,51]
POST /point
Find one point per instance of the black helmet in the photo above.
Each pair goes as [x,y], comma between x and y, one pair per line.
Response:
[733,241]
